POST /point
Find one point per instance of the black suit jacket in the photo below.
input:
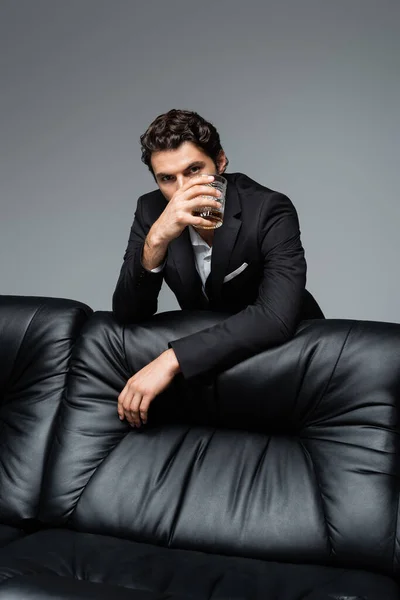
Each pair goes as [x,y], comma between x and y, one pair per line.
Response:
[265,301]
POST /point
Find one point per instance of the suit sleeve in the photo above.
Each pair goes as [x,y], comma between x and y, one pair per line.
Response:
[136,294]
[272,319]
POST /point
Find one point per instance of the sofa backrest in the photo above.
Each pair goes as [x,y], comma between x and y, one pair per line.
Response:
[36,337]
[299,459]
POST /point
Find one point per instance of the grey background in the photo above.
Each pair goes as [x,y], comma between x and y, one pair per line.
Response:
[305,95]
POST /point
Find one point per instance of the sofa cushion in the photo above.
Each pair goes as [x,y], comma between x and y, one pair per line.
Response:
[8,534]
[36,337]
[312,477]
[54,561]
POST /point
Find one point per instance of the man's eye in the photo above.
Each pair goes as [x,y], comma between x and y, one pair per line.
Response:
[195,169]
[166,178]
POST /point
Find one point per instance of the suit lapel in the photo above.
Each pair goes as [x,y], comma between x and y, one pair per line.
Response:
[181,252]
[224,242]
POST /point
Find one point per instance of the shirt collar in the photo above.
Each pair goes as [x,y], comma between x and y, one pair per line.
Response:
[196,238]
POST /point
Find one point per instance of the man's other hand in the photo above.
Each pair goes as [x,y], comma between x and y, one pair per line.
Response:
[144,386]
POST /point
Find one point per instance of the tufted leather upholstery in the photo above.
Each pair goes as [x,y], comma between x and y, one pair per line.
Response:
[278,480]
[36,338]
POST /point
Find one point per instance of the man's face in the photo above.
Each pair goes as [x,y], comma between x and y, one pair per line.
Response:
[173,168]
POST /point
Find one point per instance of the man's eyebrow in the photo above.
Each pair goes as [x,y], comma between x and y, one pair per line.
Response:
[196,163]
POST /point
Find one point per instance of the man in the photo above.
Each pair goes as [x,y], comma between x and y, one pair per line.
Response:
[252,267]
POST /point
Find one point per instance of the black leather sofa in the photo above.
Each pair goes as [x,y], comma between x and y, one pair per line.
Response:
[279,480]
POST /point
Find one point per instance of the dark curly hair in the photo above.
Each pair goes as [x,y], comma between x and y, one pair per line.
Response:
[169,130]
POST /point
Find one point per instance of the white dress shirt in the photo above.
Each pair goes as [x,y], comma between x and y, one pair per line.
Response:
[202,257]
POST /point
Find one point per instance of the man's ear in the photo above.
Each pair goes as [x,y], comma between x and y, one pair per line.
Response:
[222,162]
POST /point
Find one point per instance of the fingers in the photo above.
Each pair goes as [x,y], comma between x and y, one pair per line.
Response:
[144,409]
[198,180]
[199,222]
[185,216]
[201,190]
[137,412]
[201,201]
[132,410]
[128,404]
[133,406]
[120,405]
